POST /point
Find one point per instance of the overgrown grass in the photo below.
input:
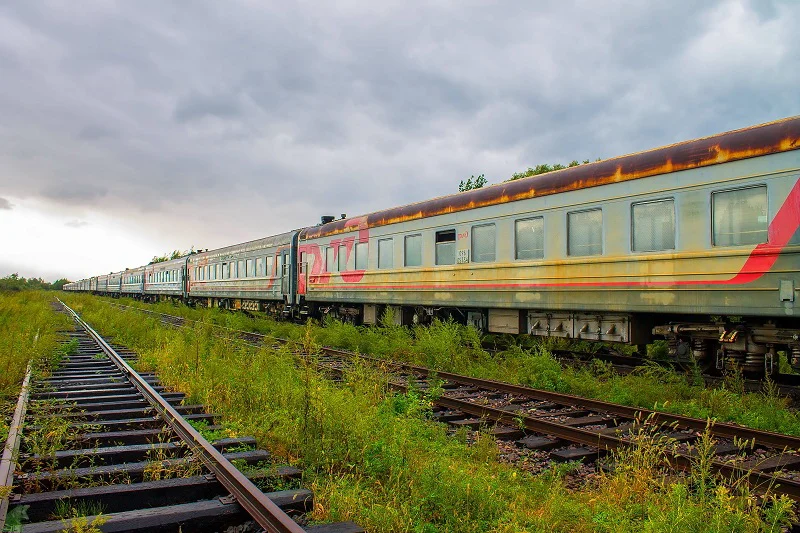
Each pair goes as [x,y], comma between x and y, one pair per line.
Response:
[374,457]
[451,347]
[29,334]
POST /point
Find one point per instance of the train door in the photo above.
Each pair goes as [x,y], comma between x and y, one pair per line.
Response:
[285,274]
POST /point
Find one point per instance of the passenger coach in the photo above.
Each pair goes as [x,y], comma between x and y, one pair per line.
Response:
[656,242]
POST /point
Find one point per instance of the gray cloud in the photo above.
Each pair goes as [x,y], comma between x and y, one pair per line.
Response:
[211,121]
[5,204]
[76,224]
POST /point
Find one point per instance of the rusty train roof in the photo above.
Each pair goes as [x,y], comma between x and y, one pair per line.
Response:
[772,137]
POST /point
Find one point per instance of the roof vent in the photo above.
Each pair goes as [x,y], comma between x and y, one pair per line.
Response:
[327,218]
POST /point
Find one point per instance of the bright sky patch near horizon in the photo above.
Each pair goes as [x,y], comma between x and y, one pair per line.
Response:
[130,129]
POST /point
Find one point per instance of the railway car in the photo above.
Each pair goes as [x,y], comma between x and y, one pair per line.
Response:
[697,242]
[115,283]
[259,275]
[165,280]
[133,282]
[101,286]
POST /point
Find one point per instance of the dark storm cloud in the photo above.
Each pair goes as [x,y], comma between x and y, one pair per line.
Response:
[216,111]
[5,204]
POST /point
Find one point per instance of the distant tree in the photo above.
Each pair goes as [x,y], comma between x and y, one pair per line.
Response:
[544,169]
[472,183]
[176,254]
[58,284]
[15,282]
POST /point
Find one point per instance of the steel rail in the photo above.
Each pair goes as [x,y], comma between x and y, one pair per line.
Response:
[8,460]
[720,429]
[259,506]
[679,461]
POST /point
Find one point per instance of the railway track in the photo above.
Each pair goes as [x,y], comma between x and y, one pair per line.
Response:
[128,458]
[786,384]
[570,428]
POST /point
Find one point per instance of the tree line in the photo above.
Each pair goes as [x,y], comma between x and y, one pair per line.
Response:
[15,282]
[176,254]
[476,183]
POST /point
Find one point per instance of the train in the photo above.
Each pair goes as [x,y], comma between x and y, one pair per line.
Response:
[696,243]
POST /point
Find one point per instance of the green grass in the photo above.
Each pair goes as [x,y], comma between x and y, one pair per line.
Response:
[374,457]
[450,347]
[29,334]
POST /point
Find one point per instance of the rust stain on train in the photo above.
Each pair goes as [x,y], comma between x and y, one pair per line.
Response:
[779,136]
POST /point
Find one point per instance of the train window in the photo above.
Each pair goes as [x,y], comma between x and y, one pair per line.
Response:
[529,238]
[413,250]
[342,259]
[362,255]
[484,243]
[386,253]
[279,265]
[446,247]
[251,266]
[270,263]
[739,216]
[653,226]
[585,232]
[240,271]
[259,266]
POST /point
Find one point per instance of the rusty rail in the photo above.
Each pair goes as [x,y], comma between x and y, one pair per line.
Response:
[260,507]
[8,460]
[719,429]
[587,437]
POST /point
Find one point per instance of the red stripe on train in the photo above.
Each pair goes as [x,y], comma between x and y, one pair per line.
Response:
[759,262]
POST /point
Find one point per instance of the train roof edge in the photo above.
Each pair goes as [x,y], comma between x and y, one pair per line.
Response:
[763,139]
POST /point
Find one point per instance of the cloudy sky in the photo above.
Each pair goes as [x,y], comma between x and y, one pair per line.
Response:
[128,129]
